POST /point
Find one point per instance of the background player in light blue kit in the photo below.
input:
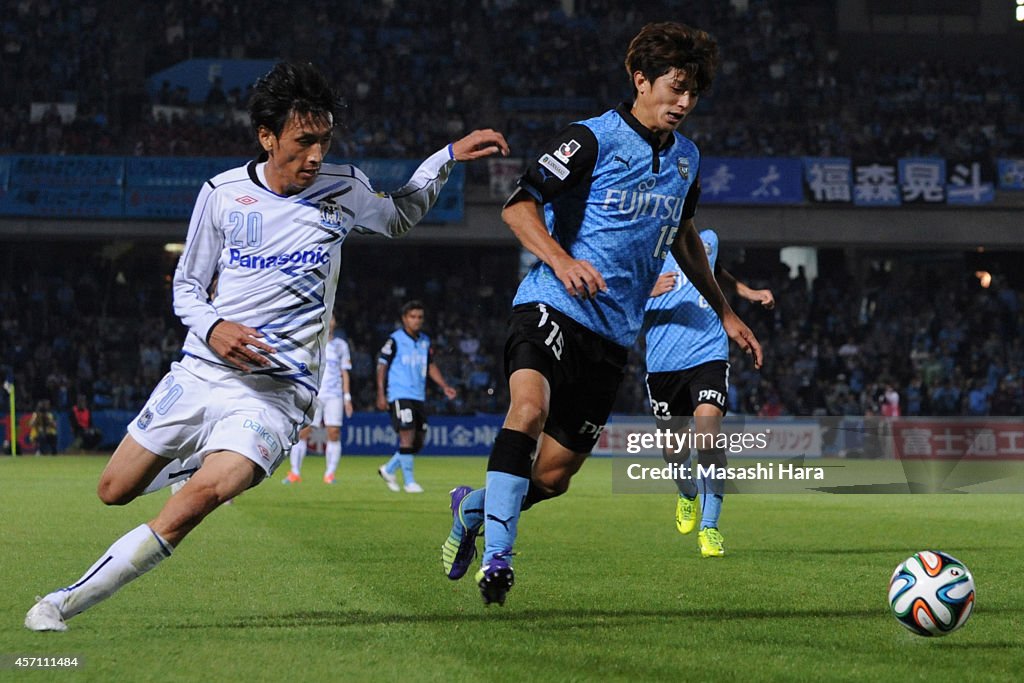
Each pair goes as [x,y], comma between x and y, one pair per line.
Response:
[402,369]
[601,209]
[688,374]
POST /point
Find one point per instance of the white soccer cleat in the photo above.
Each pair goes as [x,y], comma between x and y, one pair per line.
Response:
[389,479]
[413,488]
[45,616]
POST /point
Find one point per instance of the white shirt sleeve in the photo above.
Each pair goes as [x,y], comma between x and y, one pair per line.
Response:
[344,355]
[197,268]
[394,213]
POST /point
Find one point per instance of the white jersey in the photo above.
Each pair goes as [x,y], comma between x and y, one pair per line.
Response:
[336,358]
[271,262]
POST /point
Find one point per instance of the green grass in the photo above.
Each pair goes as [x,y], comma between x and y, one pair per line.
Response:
[319,583]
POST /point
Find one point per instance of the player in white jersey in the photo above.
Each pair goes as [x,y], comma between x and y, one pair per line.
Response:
[333,402]
[270,232]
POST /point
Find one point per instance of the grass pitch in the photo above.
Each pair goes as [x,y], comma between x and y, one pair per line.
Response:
[343,583]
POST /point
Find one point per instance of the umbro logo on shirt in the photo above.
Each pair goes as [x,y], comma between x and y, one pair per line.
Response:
[246,200]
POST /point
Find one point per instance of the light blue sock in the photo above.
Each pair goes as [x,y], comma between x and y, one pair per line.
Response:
[502,505]
[687,485]
[393,463]
[405,459]
[473,509]
[711,493]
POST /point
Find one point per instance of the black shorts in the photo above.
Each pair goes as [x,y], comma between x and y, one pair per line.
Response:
[679,392]
[583,368]
[408,414]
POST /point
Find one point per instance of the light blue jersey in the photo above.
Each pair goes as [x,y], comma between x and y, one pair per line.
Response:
[683,331]
[614,198]
[407,360]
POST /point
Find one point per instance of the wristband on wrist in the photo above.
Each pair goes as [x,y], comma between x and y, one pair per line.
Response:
[210,331]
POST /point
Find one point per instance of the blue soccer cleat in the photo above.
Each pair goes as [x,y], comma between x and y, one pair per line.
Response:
[459,548]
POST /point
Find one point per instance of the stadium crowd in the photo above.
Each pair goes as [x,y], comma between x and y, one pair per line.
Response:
[100,325]
[408,89]
[945,346]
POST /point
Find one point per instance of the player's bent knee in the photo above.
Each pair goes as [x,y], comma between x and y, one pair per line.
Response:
[130,469]
[553,483]
[559,487]
[111,493]
[538,493]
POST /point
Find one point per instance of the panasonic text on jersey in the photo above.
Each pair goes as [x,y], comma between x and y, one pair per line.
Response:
[317,257]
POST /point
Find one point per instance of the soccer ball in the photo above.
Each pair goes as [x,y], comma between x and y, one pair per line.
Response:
[931,593]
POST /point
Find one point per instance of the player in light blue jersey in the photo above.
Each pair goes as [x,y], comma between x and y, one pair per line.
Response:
[609,199]
[270,233]
[402,369]
[688,374]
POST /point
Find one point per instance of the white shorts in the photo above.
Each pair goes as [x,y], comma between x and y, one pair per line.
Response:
[330,412]
[200,408]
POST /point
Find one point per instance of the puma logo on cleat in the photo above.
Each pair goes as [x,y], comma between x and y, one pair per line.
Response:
[499,520]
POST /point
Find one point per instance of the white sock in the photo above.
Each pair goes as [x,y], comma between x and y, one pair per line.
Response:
[175,471]
[298,454]
[130,557]
[333,453]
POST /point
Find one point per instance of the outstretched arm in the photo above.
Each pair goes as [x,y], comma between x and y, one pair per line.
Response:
[729,283]
[479,144]
[394,213]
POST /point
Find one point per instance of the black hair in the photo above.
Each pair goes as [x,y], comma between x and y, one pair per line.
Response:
[292,87]
[414,305]
[664,46]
